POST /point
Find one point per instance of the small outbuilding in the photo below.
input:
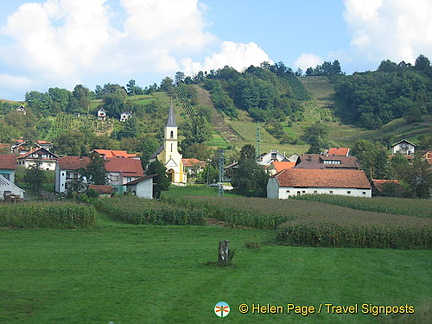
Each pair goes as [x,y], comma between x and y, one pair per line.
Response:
[142,187]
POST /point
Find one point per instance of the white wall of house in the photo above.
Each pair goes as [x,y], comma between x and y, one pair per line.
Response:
[45,165]
[63,177]
[143,189]
[276,192]
[404,148]
[9,186]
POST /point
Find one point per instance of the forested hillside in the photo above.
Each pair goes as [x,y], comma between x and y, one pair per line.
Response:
[222,108]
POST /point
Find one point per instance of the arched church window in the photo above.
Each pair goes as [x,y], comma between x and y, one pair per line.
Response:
[172,134]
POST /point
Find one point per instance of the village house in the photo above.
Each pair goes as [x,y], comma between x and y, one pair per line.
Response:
[337,151]
[110,154]
[193,166]
[403,147]
[101,114]
[318,161]
[47,159]
[168,153]
[294,182]
[272,156]
[8,165]
[22,147]
[125,116]
[276,167]
[142,187]
[67,173]
[122,171]
[119,170]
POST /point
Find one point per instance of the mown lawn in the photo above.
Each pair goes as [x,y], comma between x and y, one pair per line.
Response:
[155,274]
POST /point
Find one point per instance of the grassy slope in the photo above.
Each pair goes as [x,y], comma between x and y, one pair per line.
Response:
[155,274]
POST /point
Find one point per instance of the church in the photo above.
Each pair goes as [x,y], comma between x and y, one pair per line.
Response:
[168,153]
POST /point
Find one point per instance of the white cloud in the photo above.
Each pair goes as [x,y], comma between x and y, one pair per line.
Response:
[307,60]
[236,55]
[65,42]
[390,29]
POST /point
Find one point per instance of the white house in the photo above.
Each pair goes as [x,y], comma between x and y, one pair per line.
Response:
[121,171]
[294,182]
[404,147]
[47,159]
[125,115]
[8,165]
[9,190]
[142,187]
[67,172]
[101,114]
[272,156]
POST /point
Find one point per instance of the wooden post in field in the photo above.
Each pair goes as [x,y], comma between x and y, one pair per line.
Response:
[223,252]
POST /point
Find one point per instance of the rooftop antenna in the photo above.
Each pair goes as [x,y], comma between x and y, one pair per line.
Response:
[258,144]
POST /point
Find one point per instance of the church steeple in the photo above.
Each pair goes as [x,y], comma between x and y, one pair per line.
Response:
[171,117]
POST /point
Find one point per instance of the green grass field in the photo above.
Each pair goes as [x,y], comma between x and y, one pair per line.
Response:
[119,273]
[156,274]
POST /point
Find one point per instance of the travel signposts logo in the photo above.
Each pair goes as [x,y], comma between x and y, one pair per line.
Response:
[222,309]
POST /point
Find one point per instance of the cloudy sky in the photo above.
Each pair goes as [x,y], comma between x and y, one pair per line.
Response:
[61,43]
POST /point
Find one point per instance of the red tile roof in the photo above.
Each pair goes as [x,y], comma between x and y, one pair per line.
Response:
[193,162]
[322,178]
[8,162]
[101,189]
[279,166]
[338,151]
[127,167]
[109,154]
[379,184]
[73,162]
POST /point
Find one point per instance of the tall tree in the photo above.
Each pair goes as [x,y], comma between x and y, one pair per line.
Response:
[95,171]
[161,181]
[35,176]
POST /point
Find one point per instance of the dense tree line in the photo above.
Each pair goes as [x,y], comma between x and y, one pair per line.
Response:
[372,99]
[325,69]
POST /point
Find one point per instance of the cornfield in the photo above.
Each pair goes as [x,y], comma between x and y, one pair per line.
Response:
[133,210]
[310,223]
[47,215]
[398,206]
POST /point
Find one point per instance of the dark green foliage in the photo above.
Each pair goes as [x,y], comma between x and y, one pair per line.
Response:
[249,178]
[95,171]
[372,99]
[161,181]
[373,158]
[49,215]
[325,69]
[35,176]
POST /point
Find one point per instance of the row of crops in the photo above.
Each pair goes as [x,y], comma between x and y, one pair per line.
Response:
[48,215]
[295,222]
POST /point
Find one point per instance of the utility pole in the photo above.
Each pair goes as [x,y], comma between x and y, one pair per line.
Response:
[221,172]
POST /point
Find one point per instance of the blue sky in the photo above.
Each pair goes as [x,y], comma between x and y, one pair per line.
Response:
[61,43]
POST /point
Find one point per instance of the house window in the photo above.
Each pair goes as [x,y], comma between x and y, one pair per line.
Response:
[5,175]
[348,192]
[298,193]
[364,192]
[303,191]
[288,191]
[315,191]
[331,191]
[114,178]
